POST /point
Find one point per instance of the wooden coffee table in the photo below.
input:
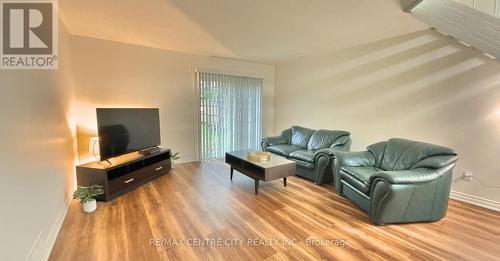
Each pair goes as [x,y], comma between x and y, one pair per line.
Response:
[273,169]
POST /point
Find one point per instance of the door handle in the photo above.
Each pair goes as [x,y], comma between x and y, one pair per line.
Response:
[159,168]
[129,180]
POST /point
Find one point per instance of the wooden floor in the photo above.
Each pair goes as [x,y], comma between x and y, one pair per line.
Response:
[197,213]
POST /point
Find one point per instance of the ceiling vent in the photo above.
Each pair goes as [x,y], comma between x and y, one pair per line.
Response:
[468,25]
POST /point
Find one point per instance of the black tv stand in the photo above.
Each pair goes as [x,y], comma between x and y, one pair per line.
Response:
[149,151]
[109,162]
[124,173]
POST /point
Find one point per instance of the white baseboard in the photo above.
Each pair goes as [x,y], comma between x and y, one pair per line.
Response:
[34,253]
[56,227]
[474,200]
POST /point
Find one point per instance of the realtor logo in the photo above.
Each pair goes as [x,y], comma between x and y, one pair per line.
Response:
[29,35]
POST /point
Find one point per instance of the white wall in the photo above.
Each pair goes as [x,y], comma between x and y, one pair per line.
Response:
[37,157]
[111,74]
[421,86]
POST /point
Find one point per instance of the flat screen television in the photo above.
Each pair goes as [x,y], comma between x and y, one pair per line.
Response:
[123,131]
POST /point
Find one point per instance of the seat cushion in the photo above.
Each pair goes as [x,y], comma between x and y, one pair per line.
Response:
[359,177]
[283,149]
[304,155]
[301,136]
[303,164]
[324,138]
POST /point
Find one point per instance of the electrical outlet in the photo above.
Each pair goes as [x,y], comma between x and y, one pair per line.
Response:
[467,176]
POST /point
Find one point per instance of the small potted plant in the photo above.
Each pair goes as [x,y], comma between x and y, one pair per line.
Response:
[87,196]
[174,157]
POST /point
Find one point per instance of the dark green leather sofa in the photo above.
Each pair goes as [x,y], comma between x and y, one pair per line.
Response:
[397,181]
[312,150]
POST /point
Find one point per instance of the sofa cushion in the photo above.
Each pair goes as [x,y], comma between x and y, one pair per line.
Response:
[377,150]
[301,136]
[401,154]
[304,155]
[324,138]
[283,149]
[359,177]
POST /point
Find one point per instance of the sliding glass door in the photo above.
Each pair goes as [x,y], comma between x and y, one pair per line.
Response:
[230,114]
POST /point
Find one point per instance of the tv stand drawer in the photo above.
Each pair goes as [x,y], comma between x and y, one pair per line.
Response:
[158,168]
[123,182]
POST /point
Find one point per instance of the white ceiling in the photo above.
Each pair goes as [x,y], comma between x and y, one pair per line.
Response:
[266,31]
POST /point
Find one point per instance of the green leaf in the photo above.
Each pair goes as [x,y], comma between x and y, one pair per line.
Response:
[175,156]
[86,194]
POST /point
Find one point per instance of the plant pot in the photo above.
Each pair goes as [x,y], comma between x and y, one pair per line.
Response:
[90,206]
[172,165]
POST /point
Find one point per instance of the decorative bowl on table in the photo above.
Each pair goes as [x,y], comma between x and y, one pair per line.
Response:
[258,156]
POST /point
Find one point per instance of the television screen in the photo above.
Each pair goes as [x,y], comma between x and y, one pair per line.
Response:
[126,130]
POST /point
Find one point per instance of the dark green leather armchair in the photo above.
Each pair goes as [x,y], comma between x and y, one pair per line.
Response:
[312,150]
[397,181]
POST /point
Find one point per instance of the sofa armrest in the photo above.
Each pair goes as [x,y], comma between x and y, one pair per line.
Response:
[414,176]
[322,160]
[410,196]
[271,141]
[342,144]
[354,159]
[276,140]
[349,159]
[328,151]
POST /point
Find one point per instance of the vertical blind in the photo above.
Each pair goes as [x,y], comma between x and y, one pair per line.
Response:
[230,110]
